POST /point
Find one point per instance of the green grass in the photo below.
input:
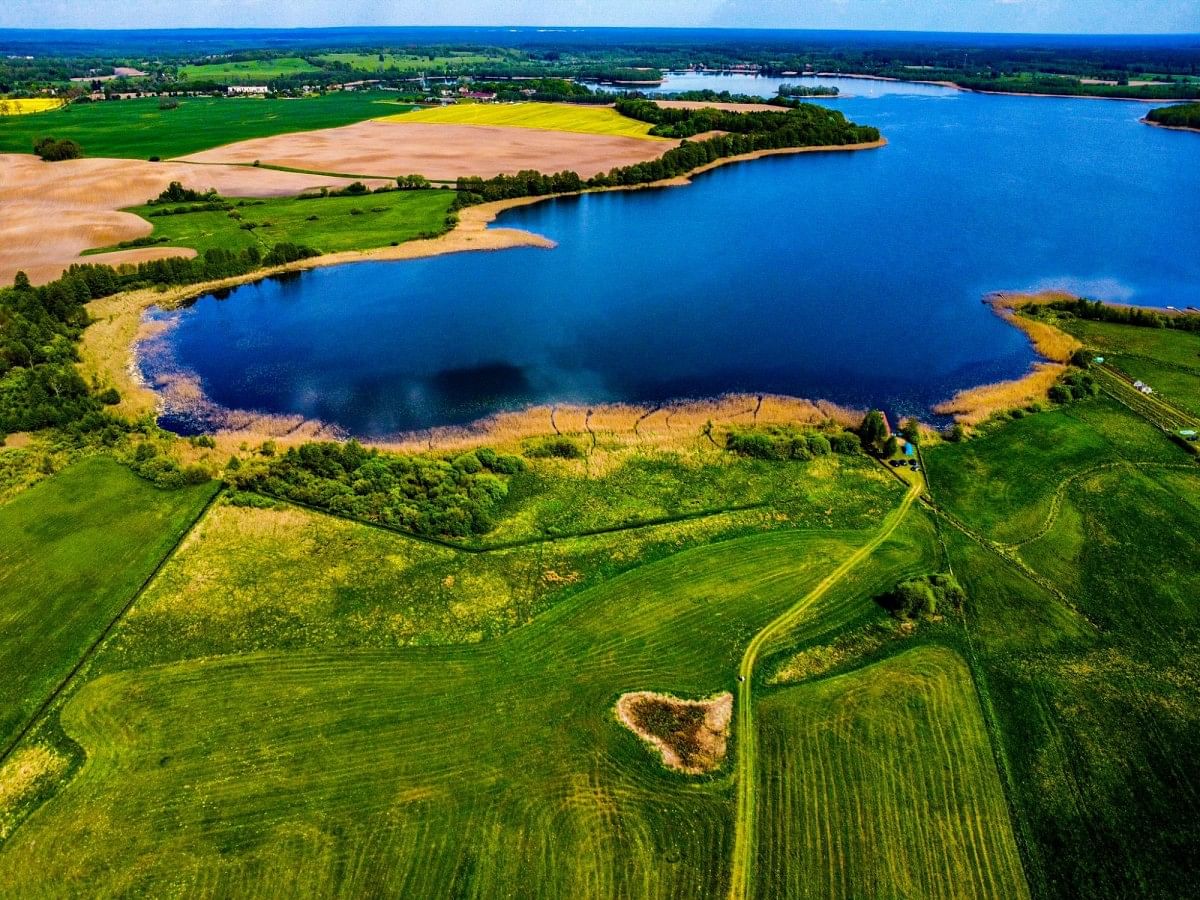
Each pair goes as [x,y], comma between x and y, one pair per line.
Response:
[881,783]
[73,551]
[341,223]
[433,772]
[138,129]
[542,116]
[1092,686]
[255,71]
[286,578]
[409,62]
[1166,359]
[975,479]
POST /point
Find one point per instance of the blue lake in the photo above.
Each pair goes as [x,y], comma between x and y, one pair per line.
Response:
[855,277]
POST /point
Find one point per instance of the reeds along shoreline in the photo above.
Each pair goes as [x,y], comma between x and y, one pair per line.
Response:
[975,405]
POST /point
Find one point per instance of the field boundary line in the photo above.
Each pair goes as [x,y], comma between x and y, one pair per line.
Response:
[744,824]
[524,542]
[90,651]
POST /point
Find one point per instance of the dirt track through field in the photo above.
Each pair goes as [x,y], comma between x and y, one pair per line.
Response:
[744,819]
[440,152]
[55,211]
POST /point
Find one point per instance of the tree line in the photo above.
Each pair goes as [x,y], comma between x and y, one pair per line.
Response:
[808,126]
[1098,311]
[425,495]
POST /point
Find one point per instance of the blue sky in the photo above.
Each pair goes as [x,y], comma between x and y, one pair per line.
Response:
[1058,16]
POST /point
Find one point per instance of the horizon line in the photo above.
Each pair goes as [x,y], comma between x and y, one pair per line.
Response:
[570,28]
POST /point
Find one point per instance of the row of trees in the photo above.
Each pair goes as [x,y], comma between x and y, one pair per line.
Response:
[808,126]
[1098,311]
[421,494]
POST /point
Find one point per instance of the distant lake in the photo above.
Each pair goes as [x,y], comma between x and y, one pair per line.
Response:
[855,277]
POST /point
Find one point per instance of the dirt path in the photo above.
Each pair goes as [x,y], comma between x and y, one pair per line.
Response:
[744,769]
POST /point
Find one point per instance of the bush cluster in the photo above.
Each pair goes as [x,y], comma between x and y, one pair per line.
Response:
[556,447]
[422,494]
[56,151]
[924,596]
[789,442]
[1074,386]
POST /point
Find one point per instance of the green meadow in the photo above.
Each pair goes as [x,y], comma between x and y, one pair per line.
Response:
[301,703]
[414,63]
[253,71]
[328,224]
[140,129]
[74,550]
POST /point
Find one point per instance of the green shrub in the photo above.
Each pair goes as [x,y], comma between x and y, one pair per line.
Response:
[557,447]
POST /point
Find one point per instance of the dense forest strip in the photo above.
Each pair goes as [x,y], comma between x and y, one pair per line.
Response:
[744,772]
[1186,116]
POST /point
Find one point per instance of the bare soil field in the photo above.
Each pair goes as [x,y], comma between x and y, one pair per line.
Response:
[440,152]
[55,211]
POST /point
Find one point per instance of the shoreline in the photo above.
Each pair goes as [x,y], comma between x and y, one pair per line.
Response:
[971,406]
[1148,121]
[968,90]
[108,347]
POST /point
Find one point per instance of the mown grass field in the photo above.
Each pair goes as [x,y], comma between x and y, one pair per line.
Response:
[1090,672]
[409,62]
[541,116]
[1167,360]
[28,105]
[73,551]
[881,783]
[328,224]
[255,71]
[357,776]
[138,129]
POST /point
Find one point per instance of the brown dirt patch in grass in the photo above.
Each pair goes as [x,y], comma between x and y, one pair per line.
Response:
[55,211]
[442,152]
[691,735]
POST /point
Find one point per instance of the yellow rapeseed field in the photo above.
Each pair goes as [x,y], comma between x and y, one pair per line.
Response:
[24,107]
[540,116]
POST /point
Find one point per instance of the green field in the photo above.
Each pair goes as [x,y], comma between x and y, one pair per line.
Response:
[892,761]
[413,63]
[1166,359]
[138,129]
[256,71]
[540,116]
[328,224]
[73,552]
[1090,669]
[299,703]
[371,745]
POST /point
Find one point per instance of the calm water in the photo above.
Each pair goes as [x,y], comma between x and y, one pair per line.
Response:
[855,277]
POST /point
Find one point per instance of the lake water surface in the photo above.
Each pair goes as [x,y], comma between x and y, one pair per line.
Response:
[855,277]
